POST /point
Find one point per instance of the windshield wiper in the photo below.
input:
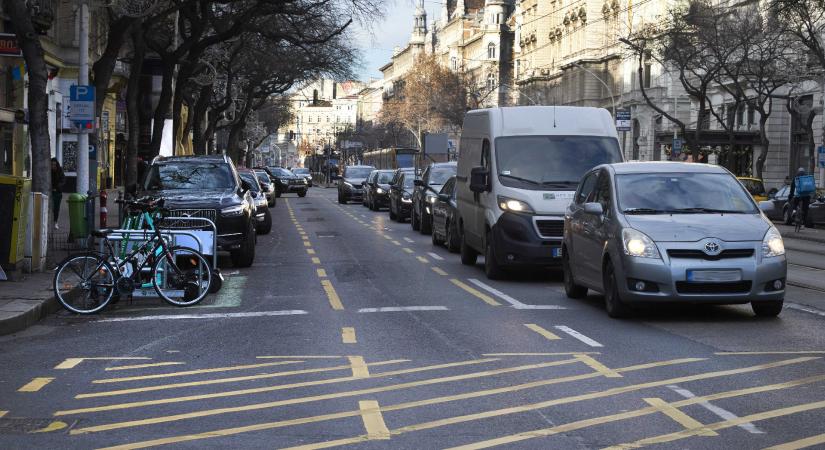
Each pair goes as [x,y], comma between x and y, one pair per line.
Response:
[513,177]
[644,211]
[707,210]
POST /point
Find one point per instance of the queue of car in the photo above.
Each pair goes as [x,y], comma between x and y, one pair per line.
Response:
[546,187]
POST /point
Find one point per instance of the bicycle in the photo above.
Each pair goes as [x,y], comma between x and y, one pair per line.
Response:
[85,283]
[797,217]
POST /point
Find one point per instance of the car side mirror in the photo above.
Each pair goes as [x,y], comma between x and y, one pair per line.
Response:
[444,197]
[594,209]
[419,183]
[479,179]
[245,186]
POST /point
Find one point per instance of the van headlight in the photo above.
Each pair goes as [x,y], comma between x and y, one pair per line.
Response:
[772,244]
[232,211]
[639,244]
[513,205]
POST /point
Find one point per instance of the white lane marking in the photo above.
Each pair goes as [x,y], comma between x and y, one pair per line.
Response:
[721,412]
[292,312]
[435,256]
[403,308]
[806,309]
[578,335]
[408,239]
[515,303]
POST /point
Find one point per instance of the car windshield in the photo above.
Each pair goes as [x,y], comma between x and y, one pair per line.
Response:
[251,180]
[358,172]
[682,193]
[189,175]
[281,172]
[440,175]
[408,181]
[300,171]
[755,187]
[262,177]
[551,162]
[384,177]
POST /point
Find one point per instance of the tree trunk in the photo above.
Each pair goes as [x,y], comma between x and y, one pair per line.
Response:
[104,67]
[234,143]
[164,104]
[764,142]
[133,109]
[38,97]
[198,117]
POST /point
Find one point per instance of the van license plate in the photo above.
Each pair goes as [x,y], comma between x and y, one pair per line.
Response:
[714,276]
[556,253]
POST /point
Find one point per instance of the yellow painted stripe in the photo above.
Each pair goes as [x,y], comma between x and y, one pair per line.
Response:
[387,237]
[54,426]
[36,384]
[348,335]
[422,259]
[306,238]
[144,366]
[307,244]
[298,357]
[3,413]
[260,376]
[542,354]
[332,296]
[70,363]
[193,372]
[310,251]
[801,443]
[801,352]
[396,242]
[408,250]
[316,260]
[597,366]
[359,367]
[302,233]
[321,273]
[547,334]
[678,416]
[373,420]
[484,297]
[439,271]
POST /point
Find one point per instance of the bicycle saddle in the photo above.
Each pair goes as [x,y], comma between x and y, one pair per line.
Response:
[102,233]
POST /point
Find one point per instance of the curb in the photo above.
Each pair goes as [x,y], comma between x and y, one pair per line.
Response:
[38,309]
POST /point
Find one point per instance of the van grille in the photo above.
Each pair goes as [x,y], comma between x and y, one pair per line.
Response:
[550,228]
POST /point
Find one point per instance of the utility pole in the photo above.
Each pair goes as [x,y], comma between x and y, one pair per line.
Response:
[83,80]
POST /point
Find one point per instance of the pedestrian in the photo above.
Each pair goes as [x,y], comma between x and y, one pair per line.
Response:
[802,188]
[57,194]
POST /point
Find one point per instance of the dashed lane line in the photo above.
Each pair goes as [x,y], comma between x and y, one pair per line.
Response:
[513,302]
[403,308]
[422,259]
[359,367]
[409,240]
[577,335]
[321,273]
[316,260]
[439,271]
[721,412]
[373,420]
[547,334]
[348,335]
[310,251]
[475,292]
[289,312]
[435,256]
[36,384]
[144,366]
[408,250]
[332,295]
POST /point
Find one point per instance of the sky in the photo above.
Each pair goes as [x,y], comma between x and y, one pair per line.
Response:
[376,40]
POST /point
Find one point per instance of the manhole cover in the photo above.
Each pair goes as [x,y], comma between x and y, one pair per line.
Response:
[326,234]
[315,219]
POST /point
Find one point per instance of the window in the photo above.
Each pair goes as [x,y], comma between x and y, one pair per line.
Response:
[491,82]
[491,51]
[586,188]
[603,194]
[647,75]
[485,154]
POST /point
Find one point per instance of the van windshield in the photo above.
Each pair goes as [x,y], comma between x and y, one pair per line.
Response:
[551,162]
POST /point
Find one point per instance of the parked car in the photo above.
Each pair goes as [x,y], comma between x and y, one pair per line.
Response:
[262,215]
[209,187]
[517,170]
[425,193]
[287,182]
[266,185]
[377,189]
[777,207]
[401,194]
[444,212]
[755,187]
[303,172]
[671,232]
[350,184]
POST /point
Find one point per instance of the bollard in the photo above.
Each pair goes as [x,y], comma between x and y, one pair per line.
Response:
[104,212]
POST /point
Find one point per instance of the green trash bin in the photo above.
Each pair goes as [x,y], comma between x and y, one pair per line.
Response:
[78,225]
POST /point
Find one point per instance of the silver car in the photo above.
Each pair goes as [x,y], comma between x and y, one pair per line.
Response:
[659,232]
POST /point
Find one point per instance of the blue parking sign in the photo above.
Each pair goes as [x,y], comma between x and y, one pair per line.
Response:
[82,107]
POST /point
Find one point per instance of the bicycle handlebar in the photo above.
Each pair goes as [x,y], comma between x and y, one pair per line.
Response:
[144,204]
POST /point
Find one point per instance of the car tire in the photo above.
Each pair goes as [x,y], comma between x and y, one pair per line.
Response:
[393,216]
[612,299]
[415,221]
[245,256]
[266,226]
[426,225]
[767,309]
[451,238]
[492,268]
[341,199]
[469,256]
[277,194]
[436,239]
[787,216]
[302,193]
[572,289]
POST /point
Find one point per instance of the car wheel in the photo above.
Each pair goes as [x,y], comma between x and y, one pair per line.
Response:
[414,221]
[451,238]
[266,226]
[492,268]
[787,215]
[767,309]
[393,216]
[302,194]
[469,257]
[572,289]
[341,199]
[612,299]
[245,256]
[426,224]
[436,239]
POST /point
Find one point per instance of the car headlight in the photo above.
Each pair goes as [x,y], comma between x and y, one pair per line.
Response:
[431,198]
[236,210]
[347,184]
[405,197]
[638,244]
[772,243]
[379,191]
[305,180]
[512,205]
[260,201]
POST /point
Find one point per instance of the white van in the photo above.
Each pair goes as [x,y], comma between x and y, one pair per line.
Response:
[518,168]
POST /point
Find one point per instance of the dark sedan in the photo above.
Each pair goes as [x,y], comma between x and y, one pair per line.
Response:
[266,185]
[303,172]
[377,189]
[262,216]
[445,228]
[351,183]
[401,194]
[287,182]
[425,192]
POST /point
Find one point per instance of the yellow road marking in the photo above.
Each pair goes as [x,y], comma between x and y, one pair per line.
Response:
[54,426]
[321,273]
[36,384]
[260,376]
[542,354]
[3,413]
[144,366]
[677,415]
[299,357]
[373,420]
[332,296]
[193,372]
[422,259]
[408,250]
[348,335]
[316,260]
[387,237]
[307,244]
[802,352]
[542,331]
[801,443]
[302,233]
[359,367]
[439,271]
[396,242]
[484,297]
[305,238]
[597,366]
[310,251]
[70,363]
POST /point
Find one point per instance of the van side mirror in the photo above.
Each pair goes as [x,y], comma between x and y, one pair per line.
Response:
[479,179]
[594,209]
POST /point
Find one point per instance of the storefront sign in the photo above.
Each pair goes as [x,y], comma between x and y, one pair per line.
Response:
[9,45]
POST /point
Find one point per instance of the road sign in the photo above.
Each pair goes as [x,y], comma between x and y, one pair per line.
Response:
[623,119]
[82,107]
[677,147]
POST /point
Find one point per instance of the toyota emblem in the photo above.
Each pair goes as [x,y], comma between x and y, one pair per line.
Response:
[712,248]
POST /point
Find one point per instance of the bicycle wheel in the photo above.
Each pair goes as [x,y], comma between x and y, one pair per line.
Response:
[84,284]
[182,276]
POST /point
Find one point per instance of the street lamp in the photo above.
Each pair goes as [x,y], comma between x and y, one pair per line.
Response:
[609,91]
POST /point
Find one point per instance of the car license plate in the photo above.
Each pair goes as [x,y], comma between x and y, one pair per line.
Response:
[714,276]
[557,253]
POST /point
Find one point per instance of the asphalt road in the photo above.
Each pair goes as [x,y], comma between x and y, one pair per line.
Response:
[354,331]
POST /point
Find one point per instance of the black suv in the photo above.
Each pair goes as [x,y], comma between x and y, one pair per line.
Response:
[350,185]
[377,189]
[287,182]
[426,193]
[209,187]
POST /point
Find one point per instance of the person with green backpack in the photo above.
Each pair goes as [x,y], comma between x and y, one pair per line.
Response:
[802,189]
